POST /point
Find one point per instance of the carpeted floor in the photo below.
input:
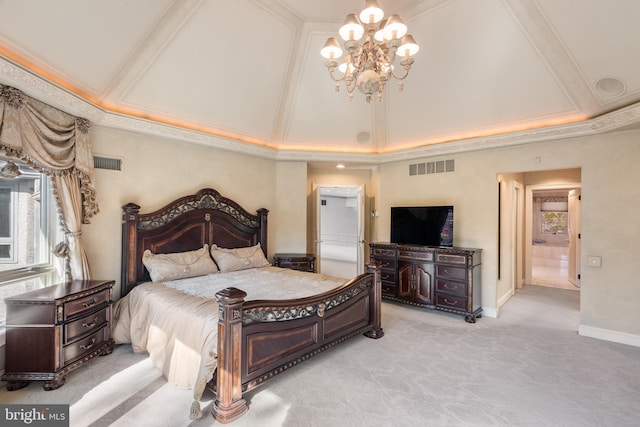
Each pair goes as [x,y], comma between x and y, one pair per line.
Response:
[527,368]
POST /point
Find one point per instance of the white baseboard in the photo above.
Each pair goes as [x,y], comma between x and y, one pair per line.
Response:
[609,335]
[490,312]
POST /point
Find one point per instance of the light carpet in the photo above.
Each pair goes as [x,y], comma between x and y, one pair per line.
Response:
[527,368]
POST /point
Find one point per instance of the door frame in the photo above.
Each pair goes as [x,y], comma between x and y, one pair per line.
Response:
[359,192]
[528,240]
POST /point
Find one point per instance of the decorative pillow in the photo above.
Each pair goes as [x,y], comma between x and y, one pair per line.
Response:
[239,258]
[164,267]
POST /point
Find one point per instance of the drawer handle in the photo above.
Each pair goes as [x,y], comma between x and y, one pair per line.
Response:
[450,302]
[88,346]
[92,324]
[447,286]
[90,303]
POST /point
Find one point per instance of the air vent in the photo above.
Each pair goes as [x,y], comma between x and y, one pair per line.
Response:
[107,163]
[429,168]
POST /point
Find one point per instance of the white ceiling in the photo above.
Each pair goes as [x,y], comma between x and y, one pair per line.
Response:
[250,70]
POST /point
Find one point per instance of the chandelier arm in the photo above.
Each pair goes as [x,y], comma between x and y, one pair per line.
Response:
[334,78]
[402,77]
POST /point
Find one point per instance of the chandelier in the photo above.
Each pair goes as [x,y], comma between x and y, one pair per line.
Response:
[372,45]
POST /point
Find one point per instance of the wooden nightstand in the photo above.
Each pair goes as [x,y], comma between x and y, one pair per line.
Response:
[53,330]
[301,262]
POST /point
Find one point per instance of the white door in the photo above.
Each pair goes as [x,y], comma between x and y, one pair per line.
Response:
[339,230]
[574,237]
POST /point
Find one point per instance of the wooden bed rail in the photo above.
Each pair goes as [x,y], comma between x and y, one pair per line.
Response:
[259,339]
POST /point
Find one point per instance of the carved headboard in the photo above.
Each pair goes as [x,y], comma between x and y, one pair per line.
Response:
[183,225]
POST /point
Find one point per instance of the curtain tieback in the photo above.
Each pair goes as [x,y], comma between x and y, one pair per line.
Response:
[61,250]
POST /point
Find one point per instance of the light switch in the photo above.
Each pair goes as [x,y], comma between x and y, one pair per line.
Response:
[594,261]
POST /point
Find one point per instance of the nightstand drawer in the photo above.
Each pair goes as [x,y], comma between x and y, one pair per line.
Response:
[85,345]
[90,302]
[449,272]
[84,326]
[300,262]
[452,288]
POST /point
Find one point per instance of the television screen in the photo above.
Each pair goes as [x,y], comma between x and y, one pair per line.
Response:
[422,225]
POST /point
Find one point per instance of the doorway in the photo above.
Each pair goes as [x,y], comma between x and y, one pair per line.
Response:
[553,236]
[339,235]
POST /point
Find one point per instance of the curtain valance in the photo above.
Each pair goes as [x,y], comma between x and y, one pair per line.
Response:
[57,144]
[50,140]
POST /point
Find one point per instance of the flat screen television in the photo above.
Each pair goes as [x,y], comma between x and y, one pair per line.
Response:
[422,225]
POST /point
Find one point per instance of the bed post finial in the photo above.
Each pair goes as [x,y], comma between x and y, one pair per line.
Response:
[229,404]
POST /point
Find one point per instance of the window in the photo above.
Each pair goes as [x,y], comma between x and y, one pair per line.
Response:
[28,231]
[554,222]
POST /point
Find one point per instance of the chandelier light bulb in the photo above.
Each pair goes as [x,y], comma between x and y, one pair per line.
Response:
[351,29]
[409,47]
[394,28]
[372,44]
[372,13]
[331,49]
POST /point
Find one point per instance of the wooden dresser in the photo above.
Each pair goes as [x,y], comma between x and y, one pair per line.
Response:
[301,262]
[53,330]
[433,277]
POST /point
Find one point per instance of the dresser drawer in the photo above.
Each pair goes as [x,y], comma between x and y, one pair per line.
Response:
[451,259]
[450,272]
[388,263]
[388,289]
[452,302]
[77,307]
[86,325]
[388,276]
[384,253]
[451,287]
[85,345]
[414,255]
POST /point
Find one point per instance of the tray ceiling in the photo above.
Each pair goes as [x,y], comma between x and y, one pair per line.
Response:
[249,72]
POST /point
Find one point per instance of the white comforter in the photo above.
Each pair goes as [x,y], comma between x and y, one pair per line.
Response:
[176,322]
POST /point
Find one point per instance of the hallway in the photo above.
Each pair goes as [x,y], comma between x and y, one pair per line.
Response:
[550,267]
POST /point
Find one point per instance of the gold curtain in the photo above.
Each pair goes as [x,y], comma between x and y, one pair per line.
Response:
[57,144]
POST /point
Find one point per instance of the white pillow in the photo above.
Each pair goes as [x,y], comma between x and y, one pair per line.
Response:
[238,258]
[164,267]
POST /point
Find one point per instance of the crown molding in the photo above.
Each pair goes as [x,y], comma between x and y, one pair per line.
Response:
[45,91]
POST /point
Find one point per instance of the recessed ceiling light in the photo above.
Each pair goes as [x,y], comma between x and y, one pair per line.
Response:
[611,86]
[363,137]
[341,166]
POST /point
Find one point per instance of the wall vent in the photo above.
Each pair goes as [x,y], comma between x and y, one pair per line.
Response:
[107,163]
[429,168]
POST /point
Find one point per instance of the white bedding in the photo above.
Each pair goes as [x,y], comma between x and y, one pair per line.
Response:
[176,322]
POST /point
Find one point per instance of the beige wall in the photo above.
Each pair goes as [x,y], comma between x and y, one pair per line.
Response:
[290,211]
[610,200]
[154,172]
[340,177]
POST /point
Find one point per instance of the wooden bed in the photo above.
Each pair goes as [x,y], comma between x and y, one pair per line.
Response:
[255,339]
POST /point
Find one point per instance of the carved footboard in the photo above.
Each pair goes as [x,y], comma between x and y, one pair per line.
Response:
[260,339]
